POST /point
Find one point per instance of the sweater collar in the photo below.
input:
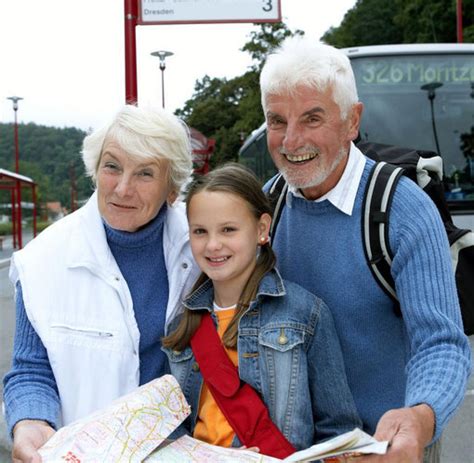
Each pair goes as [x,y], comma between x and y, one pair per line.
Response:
[141,237]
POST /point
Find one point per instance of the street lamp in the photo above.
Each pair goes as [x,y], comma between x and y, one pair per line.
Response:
[162,54]
[431,89]
[15,100]
[17,217]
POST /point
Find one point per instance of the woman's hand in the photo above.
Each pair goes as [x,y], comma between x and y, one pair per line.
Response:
[28,437]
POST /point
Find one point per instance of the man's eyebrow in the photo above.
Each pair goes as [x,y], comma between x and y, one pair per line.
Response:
[271,114]
[315,110]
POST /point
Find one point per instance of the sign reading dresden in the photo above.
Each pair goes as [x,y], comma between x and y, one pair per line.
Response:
[208,11]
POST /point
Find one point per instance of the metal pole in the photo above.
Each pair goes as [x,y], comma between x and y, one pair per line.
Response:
[17,156]
[459,20]
[13,190]
[162,86]
[434,123]
[131,17]
[162,54]
[18,182]
[34,210]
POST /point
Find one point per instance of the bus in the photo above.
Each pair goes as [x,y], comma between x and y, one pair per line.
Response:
[417,96]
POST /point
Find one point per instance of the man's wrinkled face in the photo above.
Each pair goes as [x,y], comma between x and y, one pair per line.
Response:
[308,140]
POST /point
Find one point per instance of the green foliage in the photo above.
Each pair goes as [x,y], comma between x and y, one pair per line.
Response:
[369,22]
[47,155]
[227,110]
[372,22]
[41,225]
[265,39]
[6,228]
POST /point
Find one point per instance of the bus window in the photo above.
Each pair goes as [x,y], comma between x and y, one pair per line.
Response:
[424,102]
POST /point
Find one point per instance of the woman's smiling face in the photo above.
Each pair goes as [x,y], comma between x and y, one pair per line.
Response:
[130,191]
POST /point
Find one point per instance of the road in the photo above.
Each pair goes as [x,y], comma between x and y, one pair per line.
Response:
[458,442]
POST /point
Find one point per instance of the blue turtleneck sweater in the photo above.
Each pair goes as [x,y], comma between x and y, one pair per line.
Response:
[140,258]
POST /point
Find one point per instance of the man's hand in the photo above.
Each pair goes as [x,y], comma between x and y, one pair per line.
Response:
[409,431]
[28,437]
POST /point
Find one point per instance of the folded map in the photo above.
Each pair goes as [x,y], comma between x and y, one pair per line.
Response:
[135,428]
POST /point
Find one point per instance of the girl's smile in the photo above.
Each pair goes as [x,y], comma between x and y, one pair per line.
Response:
[224,238]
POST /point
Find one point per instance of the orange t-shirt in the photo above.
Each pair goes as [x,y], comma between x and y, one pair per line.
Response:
[211,425]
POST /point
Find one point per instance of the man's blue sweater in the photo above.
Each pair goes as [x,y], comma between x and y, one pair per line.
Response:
[140,258]
[391,362]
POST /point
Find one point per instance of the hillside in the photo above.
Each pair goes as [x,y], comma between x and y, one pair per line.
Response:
[48,155]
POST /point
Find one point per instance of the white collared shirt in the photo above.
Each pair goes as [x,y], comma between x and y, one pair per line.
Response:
[343,194]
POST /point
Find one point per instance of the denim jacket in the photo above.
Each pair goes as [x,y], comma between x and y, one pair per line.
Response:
[289,353]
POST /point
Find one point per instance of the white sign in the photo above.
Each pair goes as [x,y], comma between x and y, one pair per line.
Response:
[207,11]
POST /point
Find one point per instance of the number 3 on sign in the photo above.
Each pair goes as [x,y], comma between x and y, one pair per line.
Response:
[267,5]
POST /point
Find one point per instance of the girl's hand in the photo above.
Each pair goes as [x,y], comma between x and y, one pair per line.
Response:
[251,449]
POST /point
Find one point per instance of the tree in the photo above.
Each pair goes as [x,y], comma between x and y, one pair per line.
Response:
[45,155]
[229,109]
[369,22]
[265,39]
[372,22]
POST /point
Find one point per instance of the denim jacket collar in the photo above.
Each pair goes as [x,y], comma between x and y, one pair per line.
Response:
[203,296]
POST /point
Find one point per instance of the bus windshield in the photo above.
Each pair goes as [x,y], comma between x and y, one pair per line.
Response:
[424,102]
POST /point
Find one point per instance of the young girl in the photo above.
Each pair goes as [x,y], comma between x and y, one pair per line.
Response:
[281,337]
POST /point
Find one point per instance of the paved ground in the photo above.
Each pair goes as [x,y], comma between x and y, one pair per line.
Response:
[458,442]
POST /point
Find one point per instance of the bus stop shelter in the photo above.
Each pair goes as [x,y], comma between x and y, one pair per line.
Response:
[15,183]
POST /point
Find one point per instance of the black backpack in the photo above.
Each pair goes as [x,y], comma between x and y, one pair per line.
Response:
[425,169]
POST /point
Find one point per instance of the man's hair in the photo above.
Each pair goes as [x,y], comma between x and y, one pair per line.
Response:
[144,133]
[301,61]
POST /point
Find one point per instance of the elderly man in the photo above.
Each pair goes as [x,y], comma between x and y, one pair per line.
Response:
[407,374]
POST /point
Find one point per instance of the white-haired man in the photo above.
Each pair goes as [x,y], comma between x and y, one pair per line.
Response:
[408,373]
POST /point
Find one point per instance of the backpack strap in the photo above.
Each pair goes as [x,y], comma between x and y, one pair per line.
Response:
[238,401]
[375,222]
[276,196]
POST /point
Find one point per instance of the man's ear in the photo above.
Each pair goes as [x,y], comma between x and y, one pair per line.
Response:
[355,117]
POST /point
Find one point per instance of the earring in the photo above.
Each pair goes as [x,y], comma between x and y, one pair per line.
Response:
[263,240]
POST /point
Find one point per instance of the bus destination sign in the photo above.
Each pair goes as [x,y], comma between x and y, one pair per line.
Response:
[416,71]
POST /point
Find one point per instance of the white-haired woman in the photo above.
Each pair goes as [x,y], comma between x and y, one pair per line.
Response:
[95,291]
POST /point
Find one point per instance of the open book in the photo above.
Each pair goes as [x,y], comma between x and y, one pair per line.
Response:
[135,428]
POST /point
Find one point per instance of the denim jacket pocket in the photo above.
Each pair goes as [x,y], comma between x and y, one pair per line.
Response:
[177,356]
[180,363]
[281,338]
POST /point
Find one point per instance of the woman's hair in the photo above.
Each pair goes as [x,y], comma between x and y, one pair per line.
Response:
[239,181]
[144,133]
[301,61]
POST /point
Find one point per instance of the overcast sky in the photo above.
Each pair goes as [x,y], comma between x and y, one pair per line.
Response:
[66,58]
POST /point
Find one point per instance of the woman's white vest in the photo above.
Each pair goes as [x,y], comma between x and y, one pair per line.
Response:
[79,304]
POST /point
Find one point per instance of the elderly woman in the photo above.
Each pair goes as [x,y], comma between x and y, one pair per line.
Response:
[95,291]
